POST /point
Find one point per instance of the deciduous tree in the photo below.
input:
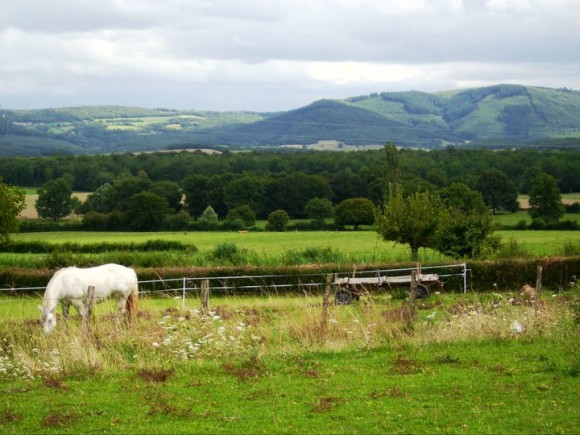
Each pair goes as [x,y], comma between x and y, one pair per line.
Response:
[12,202]
[354,211]
[277,220]
[412,220]
[465,228]
[54,199]
[545,199]
[498,191]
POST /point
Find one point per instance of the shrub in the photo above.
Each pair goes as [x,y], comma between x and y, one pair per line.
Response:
[521,225]
[538,224]
[565,225]
[277,221]
[177,221]
[94,220]
[227,253]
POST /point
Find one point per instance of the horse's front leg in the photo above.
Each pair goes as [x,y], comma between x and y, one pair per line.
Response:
[65,311]
[81,309]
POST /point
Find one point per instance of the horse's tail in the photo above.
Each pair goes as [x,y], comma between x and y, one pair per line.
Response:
[131,304]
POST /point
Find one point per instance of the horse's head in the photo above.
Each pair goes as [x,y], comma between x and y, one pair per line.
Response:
[48,319]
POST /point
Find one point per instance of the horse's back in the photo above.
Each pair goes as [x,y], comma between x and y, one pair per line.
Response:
[107,280]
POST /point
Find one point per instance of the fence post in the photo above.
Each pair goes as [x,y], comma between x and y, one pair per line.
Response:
[89,306]
[413,294]
[204,296]
[325,302]
[183,295]
[539,281]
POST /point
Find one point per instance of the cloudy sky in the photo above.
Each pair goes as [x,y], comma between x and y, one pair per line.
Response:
[270,55]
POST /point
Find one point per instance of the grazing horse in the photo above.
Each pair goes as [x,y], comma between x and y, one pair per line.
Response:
[70,286]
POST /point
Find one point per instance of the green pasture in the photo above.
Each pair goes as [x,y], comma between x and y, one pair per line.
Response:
[512,219]
[469,363]
[357,246]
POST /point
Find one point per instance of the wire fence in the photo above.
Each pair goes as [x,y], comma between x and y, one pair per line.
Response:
[454,276]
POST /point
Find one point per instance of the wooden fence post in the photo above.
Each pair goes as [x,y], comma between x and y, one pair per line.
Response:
[539,281]
[413,289]
[205,296]
[89,306]
[326,302]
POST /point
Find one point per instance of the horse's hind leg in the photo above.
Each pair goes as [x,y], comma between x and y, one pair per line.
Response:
[121,309]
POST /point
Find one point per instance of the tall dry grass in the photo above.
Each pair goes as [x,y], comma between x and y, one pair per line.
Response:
[248,329]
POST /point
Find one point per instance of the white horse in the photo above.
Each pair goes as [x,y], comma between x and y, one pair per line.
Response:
[70,286]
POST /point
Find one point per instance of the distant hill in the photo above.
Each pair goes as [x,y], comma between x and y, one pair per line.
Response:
[494,116]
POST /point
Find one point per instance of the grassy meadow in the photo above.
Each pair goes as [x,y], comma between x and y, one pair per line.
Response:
[450,364]
[266,248]
[453,363]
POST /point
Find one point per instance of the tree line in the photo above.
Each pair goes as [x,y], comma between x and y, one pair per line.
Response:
[439,199]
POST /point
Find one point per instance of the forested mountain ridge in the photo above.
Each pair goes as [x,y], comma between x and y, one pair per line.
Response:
[495,116]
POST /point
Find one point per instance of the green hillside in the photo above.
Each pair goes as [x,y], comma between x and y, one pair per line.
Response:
[495,116]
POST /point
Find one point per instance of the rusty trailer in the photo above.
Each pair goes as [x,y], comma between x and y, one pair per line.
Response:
[352,288]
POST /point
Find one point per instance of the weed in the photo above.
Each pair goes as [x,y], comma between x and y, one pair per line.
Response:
[155,375]
[325,404]
[7,417]
[59,420]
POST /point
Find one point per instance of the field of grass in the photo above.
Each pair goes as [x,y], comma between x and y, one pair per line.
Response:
[277,248]
[512,219]
[451,364]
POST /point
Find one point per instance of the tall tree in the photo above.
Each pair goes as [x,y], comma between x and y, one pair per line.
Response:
[412,220]
[498,191]
[12,202]
[146,211]
[466,228]
[54,199]
[319,208]
[393,167]
[545,199]
[355,212]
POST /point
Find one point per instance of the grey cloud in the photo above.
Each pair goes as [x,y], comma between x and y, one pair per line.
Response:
[261,54]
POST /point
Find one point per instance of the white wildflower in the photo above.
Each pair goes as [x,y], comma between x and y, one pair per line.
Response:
[517,327]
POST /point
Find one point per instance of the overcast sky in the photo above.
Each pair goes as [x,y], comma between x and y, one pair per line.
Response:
[270,55]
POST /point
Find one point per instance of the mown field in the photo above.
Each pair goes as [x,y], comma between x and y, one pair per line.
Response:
[267,248]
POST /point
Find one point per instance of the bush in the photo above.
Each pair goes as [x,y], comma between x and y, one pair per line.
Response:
[538,224]
[278,221]
[94,220]
[566,225]
[572,208]
[177,221]
[227,253]
[232,225]
[521,225]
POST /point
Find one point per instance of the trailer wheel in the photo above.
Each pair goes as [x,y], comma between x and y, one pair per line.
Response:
[422,291]
[342,296]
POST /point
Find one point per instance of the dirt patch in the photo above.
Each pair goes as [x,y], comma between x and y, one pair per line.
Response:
[55,419]
[54,383]
[7,417]
[406,366]
[325,404]
[155,375]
